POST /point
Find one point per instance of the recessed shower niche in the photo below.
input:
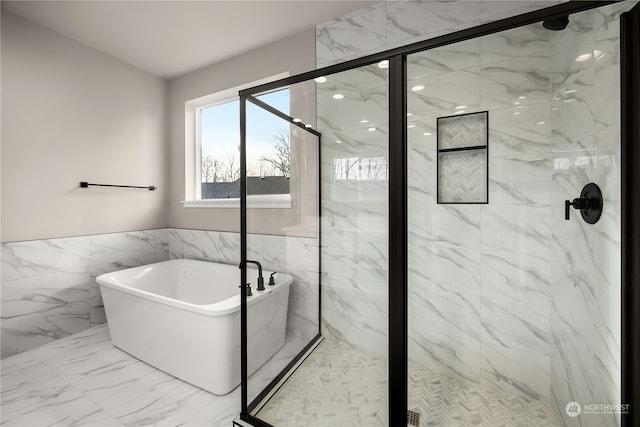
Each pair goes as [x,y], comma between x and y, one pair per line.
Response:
[462,158]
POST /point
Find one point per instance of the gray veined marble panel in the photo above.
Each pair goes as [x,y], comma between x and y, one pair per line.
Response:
[492,10]
[38,310]
[571,353]
[515,325]
[606,109]
[445,269]
[409,21]
[607,348]
[359,319]
[522,229]
[217,246]
[520,180]
[514,43]
[176,243]
[351,37]
[163,244]
[518,371]
[298,257]
[174,408]
[442,93]
[361,107]
[449,313]
[447,225]
[523,278]
[458,56]
[39,257]
[520,131]
[451,356]
[117,251]
[514,82]
[422,163]
[52,402]
[572,117]
[356,266]
[606,86]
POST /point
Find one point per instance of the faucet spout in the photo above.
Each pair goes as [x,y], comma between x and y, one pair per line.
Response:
[260,278]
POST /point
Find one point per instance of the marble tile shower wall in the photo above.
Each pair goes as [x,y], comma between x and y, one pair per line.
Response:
[585,260]
[507,293]
[479,275]
[354,207]
[49,289]
[388,24]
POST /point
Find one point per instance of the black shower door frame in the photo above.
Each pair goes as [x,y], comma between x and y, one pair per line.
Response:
[398,199]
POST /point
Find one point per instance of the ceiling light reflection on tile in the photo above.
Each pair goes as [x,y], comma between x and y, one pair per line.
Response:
[338,96]
[417,88]
[383,64]
[583,57]
[320,79]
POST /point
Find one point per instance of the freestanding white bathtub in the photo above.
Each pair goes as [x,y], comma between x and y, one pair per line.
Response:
[183,317]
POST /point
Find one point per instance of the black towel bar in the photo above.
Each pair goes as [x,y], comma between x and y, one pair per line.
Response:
[84,184]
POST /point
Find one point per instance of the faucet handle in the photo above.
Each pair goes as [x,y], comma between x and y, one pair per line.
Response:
[271,280]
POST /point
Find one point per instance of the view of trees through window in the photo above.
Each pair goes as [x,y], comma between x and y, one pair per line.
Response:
[268,149]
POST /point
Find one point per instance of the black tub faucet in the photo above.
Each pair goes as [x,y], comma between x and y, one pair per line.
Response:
[260,278]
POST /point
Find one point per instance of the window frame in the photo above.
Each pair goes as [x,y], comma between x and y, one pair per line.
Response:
[193,154]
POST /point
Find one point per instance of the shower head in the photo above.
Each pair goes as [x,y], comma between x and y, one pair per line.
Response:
[557,23]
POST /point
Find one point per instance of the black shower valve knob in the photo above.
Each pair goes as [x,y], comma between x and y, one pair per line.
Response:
[589,204]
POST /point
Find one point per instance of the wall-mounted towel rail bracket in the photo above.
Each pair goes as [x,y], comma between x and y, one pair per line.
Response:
[84,184]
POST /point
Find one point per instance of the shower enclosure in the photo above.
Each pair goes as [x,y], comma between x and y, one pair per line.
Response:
[443,270]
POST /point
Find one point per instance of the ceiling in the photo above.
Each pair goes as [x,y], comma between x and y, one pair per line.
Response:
[172,38]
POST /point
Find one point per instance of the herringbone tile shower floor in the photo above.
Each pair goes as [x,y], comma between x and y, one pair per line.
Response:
[340,386]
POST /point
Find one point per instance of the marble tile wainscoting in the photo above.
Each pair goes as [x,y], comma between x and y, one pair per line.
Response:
[49,289]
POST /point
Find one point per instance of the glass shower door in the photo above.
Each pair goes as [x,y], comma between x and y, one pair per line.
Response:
[282,242]
[344,380]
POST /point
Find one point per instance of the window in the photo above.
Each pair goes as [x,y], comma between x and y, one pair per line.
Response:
[214,143]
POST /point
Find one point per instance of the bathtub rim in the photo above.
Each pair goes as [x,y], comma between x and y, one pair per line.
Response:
[221,308]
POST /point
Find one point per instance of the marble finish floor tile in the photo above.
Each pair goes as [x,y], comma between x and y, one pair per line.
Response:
[339,385]
[84,380]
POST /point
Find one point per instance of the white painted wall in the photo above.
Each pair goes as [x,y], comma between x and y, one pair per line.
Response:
[71,114]
[293,55]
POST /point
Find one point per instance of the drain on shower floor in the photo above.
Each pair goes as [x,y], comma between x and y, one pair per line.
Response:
[413,418]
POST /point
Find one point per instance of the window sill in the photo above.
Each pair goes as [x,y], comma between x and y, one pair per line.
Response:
[271,201]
